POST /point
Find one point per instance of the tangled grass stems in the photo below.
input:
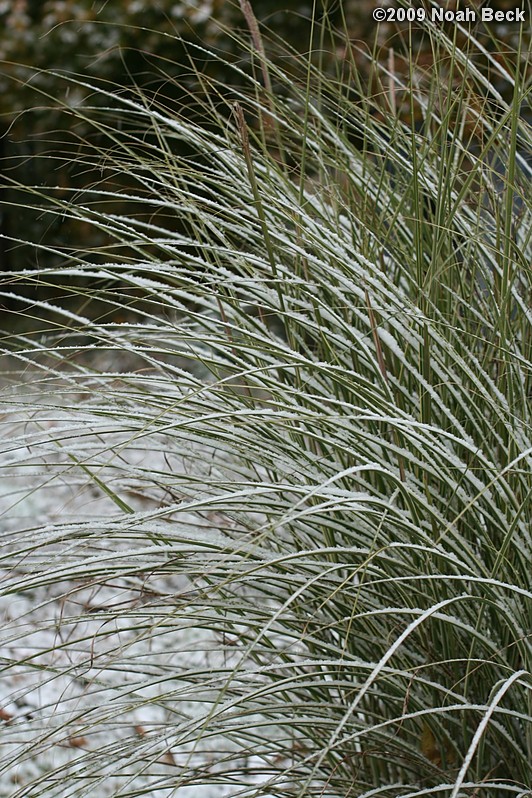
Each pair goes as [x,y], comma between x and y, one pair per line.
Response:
[292,551]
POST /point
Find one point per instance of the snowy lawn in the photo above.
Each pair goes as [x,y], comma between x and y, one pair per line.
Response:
[96,674]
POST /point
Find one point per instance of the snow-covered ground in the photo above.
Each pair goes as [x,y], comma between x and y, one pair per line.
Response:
[91,689]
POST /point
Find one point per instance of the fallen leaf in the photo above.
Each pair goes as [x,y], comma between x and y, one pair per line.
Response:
[77,742]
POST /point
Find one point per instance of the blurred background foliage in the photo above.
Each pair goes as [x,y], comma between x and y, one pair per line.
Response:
[121,44]
[131,45]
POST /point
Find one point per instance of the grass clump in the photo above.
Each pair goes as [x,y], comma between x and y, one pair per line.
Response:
[292,443]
